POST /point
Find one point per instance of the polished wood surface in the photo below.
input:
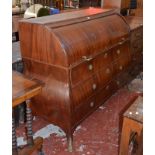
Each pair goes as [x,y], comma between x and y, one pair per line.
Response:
[69,15]
[83,57]
[132,130]
[23,88]
[134,22]
[112,3]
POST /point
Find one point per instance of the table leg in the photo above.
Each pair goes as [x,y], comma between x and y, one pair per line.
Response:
[14,140]
[30,141]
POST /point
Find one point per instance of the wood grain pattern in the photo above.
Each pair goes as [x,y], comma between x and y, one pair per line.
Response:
[23,88]
[76,56]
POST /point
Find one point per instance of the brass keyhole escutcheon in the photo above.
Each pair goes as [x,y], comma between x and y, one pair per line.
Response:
[107,70]
[94,86]
[118,51]
[120,67]
[90,67]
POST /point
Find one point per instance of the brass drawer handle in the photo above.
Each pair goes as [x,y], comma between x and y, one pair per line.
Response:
[120,67]
[118,51]
[121,42]
[123,39]
[107,70]
[107,87]
[105,55]
[87,58]
[91,104]
[90,67]
[94,86]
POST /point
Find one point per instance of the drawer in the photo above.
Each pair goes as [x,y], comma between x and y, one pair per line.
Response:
[121,64]
[84,90]
[122,78]
[102,60]
[121,51]
[137,34]
[137,46]
[85,109]
[137,57]
[89,67]
[104,75]
[81,72]
[105,93]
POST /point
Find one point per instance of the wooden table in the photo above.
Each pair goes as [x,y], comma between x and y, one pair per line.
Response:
[23,90]
[132,131]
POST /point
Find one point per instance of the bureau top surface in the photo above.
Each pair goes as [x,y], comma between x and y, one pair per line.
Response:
[134,22]
[135,111]
[64,43]
[67,16]
[23,88]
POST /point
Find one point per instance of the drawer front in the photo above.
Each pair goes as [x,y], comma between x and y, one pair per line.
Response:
[123,59]
[137,57]
[81,72]
[137,46]
[90,66]
[102,60]
[104,75]
[105,93]
[89,105]
[85,109]
[121,64]
[137,34]
[84,90]
[121,51]
[122,79]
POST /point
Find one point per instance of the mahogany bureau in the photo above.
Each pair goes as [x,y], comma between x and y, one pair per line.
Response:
[81,56]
